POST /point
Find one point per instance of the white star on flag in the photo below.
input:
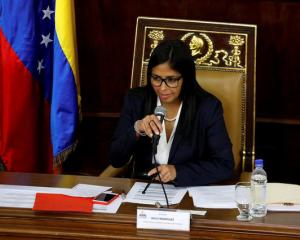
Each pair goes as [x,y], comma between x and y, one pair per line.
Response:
[46,40]
[47,13]
[40,66]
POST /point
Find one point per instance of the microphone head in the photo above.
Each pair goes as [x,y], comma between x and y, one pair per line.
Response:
[160,111]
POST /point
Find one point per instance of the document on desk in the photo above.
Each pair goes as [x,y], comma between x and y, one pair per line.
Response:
[284,207]
[88,190]
[24,196]
[283,197]
[155,194]
[213,196]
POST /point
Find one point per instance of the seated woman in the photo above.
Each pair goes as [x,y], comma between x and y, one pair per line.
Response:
[194,147]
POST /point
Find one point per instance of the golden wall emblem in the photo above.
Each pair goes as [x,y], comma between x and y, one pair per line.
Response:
[200,45]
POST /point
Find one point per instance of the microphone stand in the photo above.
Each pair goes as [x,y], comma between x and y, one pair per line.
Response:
[154,151]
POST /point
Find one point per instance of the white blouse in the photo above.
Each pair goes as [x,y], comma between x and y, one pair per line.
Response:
[164,146]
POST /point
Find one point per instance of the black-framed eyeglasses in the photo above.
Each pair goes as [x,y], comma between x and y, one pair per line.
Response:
[171,81]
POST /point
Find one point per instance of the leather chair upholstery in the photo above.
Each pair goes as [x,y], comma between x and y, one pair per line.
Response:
[225,56]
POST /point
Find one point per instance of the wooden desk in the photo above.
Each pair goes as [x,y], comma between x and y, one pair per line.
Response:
[217,224]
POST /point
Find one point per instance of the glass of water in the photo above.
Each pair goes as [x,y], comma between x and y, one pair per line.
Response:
[243,200]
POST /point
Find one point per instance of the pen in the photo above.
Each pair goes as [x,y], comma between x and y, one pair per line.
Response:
[288,204]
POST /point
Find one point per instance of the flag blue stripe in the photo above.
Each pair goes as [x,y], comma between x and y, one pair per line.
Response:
[64,107]
[23,26]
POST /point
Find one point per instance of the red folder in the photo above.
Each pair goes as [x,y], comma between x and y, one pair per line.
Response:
[62,203]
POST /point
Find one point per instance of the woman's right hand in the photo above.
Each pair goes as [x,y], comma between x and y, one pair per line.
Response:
[149,124]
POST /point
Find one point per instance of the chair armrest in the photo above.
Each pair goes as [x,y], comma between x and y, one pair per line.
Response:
[245,177]
[111,171]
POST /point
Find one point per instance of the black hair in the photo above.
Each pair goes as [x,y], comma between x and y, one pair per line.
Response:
[178,55]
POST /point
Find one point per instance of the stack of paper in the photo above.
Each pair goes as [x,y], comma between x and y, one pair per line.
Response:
[283,197]
[280,196]
[155,194]
[25,196]
[213,196]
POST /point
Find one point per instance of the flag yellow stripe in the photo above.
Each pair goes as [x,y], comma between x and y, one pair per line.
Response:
[66,33]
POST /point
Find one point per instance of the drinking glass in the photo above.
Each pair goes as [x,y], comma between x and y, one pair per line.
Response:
[243,200]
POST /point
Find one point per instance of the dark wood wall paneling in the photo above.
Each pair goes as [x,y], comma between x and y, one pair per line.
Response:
[106,31]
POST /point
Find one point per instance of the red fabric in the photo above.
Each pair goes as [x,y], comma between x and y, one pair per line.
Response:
[24,127]
[62,203]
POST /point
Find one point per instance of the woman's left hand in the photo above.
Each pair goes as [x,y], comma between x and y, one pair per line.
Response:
[167,172]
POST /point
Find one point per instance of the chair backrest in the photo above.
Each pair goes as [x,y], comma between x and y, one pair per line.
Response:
[224,55]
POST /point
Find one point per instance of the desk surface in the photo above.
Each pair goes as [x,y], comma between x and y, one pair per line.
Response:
[216,224]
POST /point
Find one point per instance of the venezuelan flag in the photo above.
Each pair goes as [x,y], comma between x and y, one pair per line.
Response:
[39,84]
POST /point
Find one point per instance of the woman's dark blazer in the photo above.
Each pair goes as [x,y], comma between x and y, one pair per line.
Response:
[204,157]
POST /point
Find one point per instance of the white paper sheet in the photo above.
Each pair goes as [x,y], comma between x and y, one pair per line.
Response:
[213,196]
[36,189]
[17,198]
[278,193]
[155,194]
[283,197]
[24,196]
[87,190]
[284,208]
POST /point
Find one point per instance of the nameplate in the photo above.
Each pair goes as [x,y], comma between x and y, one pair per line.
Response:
[163,219]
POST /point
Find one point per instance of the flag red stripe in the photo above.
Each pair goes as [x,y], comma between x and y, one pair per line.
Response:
[24,142]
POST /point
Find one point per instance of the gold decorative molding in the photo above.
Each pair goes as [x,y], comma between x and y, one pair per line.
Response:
[205,47]
[156,36]
[236,41]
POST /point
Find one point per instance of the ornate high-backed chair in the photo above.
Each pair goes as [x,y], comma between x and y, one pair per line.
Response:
[225,55]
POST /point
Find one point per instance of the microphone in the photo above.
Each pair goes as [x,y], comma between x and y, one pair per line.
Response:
[160,112]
